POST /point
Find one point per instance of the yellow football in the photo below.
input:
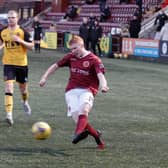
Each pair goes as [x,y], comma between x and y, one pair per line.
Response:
[41,130]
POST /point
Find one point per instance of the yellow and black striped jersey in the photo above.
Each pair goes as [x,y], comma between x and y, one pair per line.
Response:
[14,52]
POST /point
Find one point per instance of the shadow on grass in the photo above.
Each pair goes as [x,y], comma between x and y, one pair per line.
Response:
[21,151]
[31,151]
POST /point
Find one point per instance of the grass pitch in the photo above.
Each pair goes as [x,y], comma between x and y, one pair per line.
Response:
[133,117]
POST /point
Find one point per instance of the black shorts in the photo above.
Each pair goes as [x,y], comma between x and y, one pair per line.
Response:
[18,73]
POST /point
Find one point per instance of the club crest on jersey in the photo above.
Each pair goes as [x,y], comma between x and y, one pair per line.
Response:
[85,64]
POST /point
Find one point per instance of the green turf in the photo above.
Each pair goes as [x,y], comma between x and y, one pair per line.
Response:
[133,117]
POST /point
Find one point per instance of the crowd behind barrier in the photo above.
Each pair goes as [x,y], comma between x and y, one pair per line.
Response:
[131,48]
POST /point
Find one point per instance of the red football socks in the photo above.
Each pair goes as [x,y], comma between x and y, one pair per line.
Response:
[81,124]
[91,130]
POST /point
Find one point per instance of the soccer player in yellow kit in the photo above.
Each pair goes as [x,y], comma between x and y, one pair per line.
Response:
[15,41]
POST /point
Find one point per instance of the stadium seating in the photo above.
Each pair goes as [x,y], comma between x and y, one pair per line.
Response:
[120,14]
[148,3]
[76,2]
[90,8]
[121,18]
[113,2]
[54,16]
[123,9]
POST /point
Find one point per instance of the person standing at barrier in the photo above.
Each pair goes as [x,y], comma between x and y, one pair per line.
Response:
[134,27]
[15,41]
[106,14]
[84,32]
[86,76]
[159,23]
[164,32]
[37,34]
[95,34]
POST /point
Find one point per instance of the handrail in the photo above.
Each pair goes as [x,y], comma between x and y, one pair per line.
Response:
[148,24]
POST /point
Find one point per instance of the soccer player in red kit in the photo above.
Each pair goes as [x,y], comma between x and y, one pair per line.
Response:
[86,77]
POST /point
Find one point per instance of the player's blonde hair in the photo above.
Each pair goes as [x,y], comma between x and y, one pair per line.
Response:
[76,40]
[13,11]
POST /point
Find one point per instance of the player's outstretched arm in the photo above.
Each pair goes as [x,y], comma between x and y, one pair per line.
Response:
[49,71]
[103,82]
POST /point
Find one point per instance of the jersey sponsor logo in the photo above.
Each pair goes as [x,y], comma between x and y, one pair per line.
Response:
[73,59]
[11,44]
[80,71]
[86,64]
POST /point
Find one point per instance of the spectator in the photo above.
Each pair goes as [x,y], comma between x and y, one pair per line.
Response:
[106,14]
[164,32]
[102,4]
[37,33]
[52,27]
[92,19]
[95,36]
[134,27]
[84,32]
[71,13]
[125,31]
[139,3]
[160,20]
[159,23]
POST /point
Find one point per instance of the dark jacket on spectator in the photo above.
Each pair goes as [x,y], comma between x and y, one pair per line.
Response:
[95,35]
[71,13]
[84,33]
[134,27]
[160,20]
[105,14]
[37,30]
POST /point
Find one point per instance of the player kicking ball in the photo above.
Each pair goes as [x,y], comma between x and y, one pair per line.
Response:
[86,77]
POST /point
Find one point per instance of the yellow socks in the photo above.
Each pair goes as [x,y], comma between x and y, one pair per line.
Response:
[8,102]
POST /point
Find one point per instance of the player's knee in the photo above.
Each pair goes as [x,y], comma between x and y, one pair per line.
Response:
[8,87]
[86,109]
[23,87]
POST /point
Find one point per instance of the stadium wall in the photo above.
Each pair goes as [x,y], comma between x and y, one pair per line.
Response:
[144,49]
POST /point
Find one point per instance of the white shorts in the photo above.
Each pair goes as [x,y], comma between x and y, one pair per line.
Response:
[76,98]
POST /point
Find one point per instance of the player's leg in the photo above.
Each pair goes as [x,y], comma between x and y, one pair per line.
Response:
[86,101]
[38,46]
[73,105]
[35,46]
[8,101]
[97,136]
[9,76]
[22,79]
[85,104]
[25,95]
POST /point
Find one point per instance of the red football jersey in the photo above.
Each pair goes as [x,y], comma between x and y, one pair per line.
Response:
[83,71]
